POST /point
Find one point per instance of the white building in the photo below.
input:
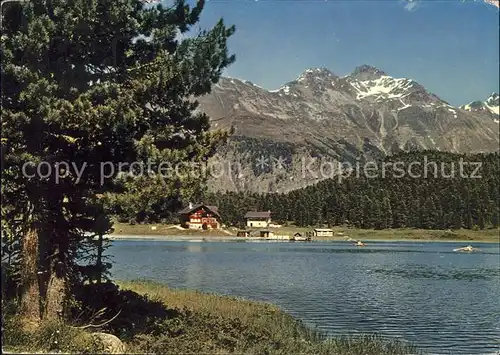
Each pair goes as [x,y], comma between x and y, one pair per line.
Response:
[323,232]
[258,219]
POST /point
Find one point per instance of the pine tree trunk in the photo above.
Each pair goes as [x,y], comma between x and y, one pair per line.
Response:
[56,292]
[52,279]
[53,249]
[30,289]
[99,259]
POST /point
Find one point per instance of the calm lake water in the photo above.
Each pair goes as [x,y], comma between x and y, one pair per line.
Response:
[442,301]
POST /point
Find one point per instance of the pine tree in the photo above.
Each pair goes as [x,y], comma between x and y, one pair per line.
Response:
[386,203]
[92,82]
[481,223]
[429,214]
[495,217]
[386,213]
[400,215]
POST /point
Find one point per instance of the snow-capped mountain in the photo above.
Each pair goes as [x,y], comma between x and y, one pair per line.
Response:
[489,106]
[370,82]
[320,114]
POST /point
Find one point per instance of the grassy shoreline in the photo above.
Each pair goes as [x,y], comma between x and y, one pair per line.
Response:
[154,318]
[169,232]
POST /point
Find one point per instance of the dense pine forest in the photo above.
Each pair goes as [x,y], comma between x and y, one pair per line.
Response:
[450,197]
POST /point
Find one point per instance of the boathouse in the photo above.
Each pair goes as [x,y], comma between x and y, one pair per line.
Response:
[258,219]
[323,232]
[266,234]
[200,216]
[243,233]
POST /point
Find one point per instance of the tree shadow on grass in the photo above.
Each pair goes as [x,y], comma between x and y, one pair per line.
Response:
[148,326]
[123,313]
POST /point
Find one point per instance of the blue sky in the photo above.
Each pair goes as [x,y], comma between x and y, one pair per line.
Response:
[451,47]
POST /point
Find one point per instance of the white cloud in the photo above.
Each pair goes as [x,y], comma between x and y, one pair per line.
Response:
[411,5]
[493,2]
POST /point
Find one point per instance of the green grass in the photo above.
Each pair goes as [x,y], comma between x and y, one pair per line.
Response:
[341,233]
[162,230]
[486,235]
[49,337]
[152,318]
[220,324]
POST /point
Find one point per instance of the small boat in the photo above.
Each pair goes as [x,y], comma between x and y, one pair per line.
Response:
[297,237]
[468,248]
[300,239]
[360,243]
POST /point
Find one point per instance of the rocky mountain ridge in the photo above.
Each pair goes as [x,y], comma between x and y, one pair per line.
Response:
[490,106]
[322,116]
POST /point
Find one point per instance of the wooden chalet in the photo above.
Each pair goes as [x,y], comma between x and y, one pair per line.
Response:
[200,216]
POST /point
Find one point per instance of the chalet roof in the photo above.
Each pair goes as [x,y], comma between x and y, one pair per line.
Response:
[255,214]
[189,209]
[323,230]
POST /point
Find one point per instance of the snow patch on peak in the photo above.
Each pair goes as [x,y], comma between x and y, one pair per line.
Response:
[494,109]
[385,86]
[248,82]
[231,79]
[284,89]
[466,107]
[493,97]
[314,73]
[317,70]
[491,105]
[405,106]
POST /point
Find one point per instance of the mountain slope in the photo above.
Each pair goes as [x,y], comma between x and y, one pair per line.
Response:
[365,114]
